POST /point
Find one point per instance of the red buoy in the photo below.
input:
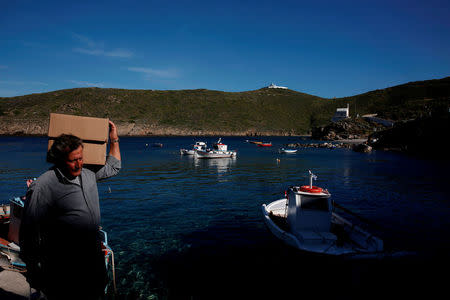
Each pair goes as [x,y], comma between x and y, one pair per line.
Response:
[308,189]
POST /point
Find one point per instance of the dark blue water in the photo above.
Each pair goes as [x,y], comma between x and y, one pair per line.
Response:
[181,227]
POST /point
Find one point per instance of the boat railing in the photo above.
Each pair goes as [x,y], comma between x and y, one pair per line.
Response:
[358,220]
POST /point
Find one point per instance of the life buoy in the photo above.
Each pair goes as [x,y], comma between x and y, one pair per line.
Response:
[308,189]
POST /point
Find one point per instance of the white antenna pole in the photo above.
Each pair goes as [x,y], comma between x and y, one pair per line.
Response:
[311,177]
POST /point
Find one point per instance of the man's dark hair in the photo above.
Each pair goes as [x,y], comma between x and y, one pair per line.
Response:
[62,146]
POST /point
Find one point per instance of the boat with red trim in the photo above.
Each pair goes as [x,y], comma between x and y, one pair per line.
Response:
[219,150]
[265,144]
[306,219]
[254,142]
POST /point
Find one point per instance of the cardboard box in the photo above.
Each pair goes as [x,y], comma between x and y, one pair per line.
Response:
[93,131]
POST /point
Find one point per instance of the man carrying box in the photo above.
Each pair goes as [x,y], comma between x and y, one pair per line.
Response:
[59,237]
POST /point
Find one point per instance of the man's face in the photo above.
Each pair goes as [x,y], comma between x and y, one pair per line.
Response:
[74,162]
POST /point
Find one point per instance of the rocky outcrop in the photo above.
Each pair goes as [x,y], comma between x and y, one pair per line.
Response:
[362,148]
[346,129]
[319,145]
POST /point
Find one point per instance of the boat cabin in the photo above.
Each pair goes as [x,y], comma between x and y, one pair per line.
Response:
[219,146]
[309,209]
[200,146]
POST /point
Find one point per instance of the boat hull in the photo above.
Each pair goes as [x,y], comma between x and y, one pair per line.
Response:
[187,152]
[288,151]
[357,241]
[214,154]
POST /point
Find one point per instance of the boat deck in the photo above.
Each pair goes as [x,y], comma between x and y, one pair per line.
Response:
[350,238]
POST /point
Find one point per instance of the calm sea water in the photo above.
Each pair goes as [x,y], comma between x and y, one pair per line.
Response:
[187,228]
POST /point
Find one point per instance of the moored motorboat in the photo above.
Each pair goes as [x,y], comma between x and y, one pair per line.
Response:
[219,150]
[265,144]
[197,146]
[288,151]
[305,220]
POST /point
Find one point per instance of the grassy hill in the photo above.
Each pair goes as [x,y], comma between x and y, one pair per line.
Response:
[403,102]
[263,111]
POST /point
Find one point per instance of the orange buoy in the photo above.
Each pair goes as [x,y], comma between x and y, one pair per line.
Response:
[308,189]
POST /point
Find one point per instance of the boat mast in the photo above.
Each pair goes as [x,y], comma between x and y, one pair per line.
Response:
[311,177]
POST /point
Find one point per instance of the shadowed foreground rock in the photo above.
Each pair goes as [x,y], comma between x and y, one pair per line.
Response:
[425,136]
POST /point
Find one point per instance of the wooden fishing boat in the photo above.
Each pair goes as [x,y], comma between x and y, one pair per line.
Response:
[305,219]
[254,142]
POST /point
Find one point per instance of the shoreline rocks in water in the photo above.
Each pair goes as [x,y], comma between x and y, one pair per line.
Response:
[358,145]
[362,148]
[319,145]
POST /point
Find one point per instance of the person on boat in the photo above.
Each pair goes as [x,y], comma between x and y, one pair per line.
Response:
[59,235]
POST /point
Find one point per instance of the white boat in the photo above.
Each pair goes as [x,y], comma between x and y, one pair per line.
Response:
[197,146]
[305,220]
[288,151]
[219,150]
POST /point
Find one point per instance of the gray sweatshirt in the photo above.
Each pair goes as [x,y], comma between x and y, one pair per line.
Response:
[73,205]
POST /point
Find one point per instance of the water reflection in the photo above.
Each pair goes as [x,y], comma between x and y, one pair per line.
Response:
[221,165]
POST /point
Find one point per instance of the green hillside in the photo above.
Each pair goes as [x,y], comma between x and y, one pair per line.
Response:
[270,111]
[403,102]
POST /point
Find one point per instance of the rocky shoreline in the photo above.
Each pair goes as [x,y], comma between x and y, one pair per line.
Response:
[358,145]
[25,127]
[416,136]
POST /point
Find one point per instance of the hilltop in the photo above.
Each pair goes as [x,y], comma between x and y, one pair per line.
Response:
[207,112]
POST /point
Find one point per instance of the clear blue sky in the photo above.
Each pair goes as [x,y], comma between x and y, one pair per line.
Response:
[325,48]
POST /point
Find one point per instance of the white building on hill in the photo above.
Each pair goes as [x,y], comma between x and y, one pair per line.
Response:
[273,86]
[341,113]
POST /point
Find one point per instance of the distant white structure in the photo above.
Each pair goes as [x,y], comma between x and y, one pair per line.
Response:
[375,119]
[341,113]
[273,86]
